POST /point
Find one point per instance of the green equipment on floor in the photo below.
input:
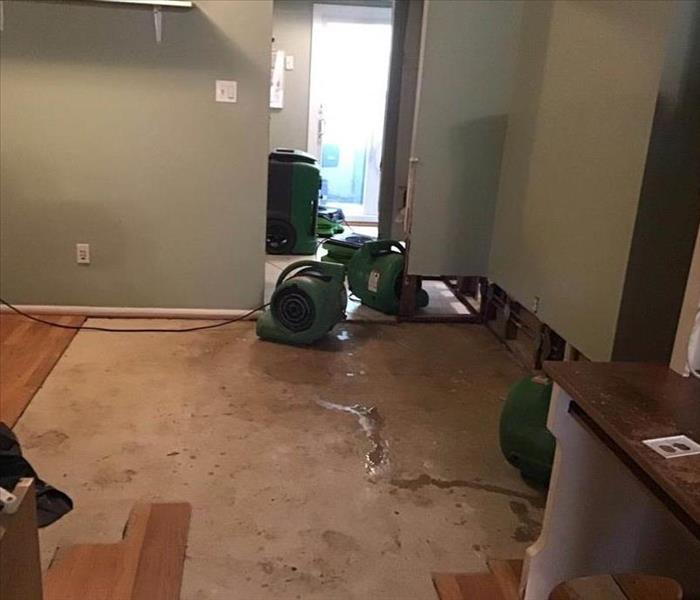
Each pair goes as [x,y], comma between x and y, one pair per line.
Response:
[309,299]
[375,276]
[525,440]
[293,184]
[342,248]
[329,222]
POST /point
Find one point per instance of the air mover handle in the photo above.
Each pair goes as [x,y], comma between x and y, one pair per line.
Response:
[383,247]
[293,267]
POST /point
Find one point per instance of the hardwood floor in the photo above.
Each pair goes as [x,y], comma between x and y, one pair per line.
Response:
[28,352]
[146,565]
[501,583]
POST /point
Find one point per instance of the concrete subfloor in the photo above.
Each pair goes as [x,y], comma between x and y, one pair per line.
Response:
[283,506]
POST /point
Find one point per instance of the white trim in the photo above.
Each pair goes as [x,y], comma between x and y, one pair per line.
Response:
[170,3]
[132,312]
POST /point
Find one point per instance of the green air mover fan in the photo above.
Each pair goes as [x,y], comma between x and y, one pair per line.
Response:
[329,222]
[375,276]
[526,442]
[342,248]
[309,299]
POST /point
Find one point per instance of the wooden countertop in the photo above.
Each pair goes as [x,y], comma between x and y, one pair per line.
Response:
[630,402]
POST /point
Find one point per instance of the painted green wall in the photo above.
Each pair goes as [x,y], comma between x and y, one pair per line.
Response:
[574,158]
[111,139]
[291,28]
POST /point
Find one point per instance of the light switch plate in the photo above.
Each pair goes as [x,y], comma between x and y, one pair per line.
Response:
[673,446]
[82,254]
[226,91]
[289,62]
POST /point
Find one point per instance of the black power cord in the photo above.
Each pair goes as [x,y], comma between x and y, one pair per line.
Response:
[128,330]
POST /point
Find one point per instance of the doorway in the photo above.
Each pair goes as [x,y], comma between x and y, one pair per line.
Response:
[350,54]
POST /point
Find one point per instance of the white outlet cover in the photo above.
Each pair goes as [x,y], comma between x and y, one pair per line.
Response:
[226,91]
[673,446]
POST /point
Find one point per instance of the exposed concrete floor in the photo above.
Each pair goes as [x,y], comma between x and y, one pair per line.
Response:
[283,507]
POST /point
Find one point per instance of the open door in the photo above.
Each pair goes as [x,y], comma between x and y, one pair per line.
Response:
[465,80]
[451,80]
[349,68]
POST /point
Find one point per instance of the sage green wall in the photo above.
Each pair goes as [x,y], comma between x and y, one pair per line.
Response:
[574,158]
[112,139]
[291,28]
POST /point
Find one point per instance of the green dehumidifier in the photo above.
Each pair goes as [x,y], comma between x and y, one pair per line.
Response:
[309,299]
[293,184]
[375,276]
[525,440]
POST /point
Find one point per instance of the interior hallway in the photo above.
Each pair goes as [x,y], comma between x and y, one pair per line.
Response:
[283,506]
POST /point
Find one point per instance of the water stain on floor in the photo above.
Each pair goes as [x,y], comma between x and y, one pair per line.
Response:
[377,461]
[529,528]
[48,440]
[424,480]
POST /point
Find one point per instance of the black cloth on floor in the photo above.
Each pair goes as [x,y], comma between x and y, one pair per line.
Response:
[51,504]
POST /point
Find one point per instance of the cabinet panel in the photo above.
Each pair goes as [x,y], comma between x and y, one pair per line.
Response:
[465,79]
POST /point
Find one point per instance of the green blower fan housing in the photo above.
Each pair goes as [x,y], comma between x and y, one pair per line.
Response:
[525,440]
[375,276]
[309,299]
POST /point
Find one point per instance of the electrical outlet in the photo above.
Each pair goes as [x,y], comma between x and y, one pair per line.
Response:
[673,446]
[82,254]
[536,304]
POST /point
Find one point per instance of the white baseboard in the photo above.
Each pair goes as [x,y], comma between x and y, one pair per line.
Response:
[129,312]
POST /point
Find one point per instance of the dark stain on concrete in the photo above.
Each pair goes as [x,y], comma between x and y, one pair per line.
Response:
[48,440]
[340,541]
[529,528]
[108,475]
[425,480]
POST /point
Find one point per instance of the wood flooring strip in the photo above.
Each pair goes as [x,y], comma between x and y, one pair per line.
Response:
[467,586]
[28,353]
[159,575]
[146,565]
[507,574]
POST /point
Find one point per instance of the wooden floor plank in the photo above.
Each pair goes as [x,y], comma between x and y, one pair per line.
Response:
[647,587]
[28,353]
[162,559]
[20,565]
[507,574]
[467,586]
[447,586]
[146,565]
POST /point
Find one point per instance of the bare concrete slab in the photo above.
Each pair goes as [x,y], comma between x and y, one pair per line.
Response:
[284,504]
